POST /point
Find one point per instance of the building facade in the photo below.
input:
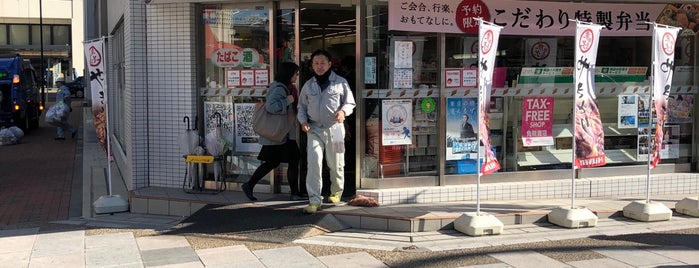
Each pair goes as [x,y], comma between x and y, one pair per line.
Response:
[210,61]
[20,33]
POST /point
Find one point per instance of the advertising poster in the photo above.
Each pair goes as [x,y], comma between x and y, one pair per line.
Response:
[245,137]
[627,111]
[663,55]
[462,135]
[397,122]
[488,37]
[680,108]
[589,131]
[537,121]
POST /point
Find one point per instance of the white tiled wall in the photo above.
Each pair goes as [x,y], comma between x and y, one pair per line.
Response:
[681,183]
[161,90]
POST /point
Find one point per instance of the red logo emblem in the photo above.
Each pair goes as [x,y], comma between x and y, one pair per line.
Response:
[487,42]
[668,43]
[587,39]
[95,57]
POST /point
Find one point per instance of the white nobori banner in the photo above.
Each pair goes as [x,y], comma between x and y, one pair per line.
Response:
[664,38]
[589,131]
[488,36]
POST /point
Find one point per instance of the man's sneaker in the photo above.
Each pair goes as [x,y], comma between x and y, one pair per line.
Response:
[311,208]
[334,198]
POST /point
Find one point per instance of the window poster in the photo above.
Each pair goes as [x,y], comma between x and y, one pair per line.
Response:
[680,108]
[245,137]
[403,54]
[627,111]
[462,136]
[397,122]
[670,147]
[469,78]
[402,78]
[370,70]
[643,111]
[212,121]
[232,78]
[247,78]
[262,77]
[452,77]
[671,142]
[537,121]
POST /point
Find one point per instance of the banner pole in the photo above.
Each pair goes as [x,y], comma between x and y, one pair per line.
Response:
[651,106]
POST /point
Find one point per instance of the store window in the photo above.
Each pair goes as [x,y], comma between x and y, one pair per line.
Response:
[236,53]
[401,100]
[529,70]
[520,62]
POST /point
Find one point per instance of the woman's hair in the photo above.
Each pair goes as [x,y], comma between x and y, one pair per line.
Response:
[286,71]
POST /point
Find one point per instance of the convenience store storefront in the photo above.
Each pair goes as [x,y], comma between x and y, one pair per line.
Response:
[415,68]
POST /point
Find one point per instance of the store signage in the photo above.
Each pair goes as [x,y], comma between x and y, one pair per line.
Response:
[524,17]
[603,74]
[233,57]
[537,121]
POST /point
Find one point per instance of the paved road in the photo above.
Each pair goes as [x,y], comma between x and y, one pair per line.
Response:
[37,175]
[41,225]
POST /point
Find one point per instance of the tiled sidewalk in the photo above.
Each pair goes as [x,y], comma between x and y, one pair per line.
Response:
[74,248]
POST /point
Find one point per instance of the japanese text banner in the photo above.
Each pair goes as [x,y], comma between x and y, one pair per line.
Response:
[487,49]
[94,53]
[540,18]
[663,64]
[589,131]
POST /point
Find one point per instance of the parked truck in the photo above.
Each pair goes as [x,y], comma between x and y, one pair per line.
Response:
[20,97]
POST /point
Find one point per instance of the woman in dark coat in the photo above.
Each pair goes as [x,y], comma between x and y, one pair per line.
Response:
[282,97]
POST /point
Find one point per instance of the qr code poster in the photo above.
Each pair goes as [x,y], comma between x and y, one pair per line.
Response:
[245,137]
[212,110]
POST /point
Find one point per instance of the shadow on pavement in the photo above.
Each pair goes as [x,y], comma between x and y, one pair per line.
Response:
[277,224]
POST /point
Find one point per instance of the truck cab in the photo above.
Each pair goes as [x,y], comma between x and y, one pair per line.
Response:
[19,93]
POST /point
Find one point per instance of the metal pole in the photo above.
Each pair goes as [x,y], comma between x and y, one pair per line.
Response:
[478,151]
[572,178]
[41,40]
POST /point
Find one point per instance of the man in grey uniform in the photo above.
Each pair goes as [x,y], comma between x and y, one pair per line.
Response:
[325,100]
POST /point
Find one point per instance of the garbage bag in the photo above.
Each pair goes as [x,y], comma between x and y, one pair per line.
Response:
[19,134]
[7,137]
[57,113]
